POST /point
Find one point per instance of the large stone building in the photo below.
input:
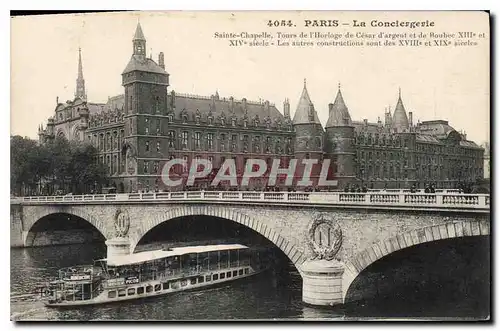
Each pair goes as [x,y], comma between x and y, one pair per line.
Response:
[137,132]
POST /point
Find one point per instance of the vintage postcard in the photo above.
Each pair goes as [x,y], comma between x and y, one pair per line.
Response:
[273,165]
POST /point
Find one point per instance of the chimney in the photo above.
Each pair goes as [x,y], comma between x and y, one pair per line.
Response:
[172,100]
[266,105]
[286,108]
[231,104]
[213,98]
[161,60]
[365,122]
[410,118]
[244,102]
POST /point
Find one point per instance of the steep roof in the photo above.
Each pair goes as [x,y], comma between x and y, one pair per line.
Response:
[142,63]
[138,33]
[304,106]
[338,112]
[205,104]
[191,103]
[399,119]
[368,127]
[438,128]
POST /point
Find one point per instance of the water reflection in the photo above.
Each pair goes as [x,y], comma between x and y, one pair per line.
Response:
[442,280]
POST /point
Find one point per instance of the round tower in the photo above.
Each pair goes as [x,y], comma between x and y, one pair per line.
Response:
[339,142]
[308,140]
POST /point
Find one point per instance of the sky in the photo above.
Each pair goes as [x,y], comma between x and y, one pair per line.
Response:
[436,83]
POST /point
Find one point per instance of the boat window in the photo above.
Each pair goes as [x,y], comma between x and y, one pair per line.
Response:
[240,272]
[165,286]
[157,287]
[122,292]
[216,277]
[112,294]
[131,291]
[193,281]
[140,290]
[228,274]
[149,289]
[201,279]
[222,275]
[184,282]
[246,271]
[208,278]
[235,273]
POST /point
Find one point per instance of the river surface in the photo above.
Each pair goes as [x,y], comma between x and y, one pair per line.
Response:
[387,290]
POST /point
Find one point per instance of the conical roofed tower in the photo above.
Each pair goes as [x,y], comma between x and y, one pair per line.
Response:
[339,142]
[305,112]
[400,119]
[338,112]
[309,134]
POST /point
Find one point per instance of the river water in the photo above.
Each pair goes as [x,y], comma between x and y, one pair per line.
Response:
[407,286]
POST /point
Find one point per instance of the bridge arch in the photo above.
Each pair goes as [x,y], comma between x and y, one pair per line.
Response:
[72,211]
[360,261]
[287,246]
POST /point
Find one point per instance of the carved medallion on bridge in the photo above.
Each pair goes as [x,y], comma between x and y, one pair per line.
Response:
[324,238]
[122,223]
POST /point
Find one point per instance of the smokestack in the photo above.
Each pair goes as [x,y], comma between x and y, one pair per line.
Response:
[161,60]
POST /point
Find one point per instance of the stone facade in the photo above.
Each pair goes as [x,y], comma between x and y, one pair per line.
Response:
[138,131]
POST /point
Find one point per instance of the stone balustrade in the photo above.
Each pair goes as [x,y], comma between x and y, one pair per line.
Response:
[441,200]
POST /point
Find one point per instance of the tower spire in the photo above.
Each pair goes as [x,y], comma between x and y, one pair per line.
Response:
[80,82]
[139,41]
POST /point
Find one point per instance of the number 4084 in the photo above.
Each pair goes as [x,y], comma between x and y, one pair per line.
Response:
[276,23]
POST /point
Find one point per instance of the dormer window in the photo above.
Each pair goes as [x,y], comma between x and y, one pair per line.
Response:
[245,123]
[210,120]
[184,118]
[170,118]
[233,122]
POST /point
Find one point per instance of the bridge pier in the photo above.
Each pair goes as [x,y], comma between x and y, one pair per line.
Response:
[118,246]
[322,282]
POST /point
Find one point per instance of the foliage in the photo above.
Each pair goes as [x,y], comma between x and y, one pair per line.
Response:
[58,165]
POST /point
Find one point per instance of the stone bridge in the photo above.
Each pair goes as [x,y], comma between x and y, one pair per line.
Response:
[364,227]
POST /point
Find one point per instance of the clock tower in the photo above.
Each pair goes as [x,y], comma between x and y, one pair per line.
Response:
[145,83]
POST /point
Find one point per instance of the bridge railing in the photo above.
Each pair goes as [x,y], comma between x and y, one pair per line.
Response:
[386,198]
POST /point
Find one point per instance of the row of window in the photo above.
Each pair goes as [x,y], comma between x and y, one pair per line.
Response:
[368,139]
[206,142]
[107,141]
[147,169]
[166,285]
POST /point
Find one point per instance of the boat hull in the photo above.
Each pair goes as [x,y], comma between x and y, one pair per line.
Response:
[175,285]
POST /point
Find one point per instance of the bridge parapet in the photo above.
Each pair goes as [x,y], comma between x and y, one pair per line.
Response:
[396,200]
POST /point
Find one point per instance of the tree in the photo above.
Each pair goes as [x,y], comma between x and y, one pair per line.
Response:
[57,165]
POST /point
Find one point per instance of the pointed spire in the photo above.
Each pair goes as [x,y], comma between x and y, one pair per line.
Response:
[400,119]
[338,112]
[80,66]
[138,33]
[305,113]
[80,82]
[139,42]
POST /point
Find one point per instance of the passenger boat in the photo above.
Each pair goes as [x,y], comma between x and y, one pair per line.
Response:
[153,273]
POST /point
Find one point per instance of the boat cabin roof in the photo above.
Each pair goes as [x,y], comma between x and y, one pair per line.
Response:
[141,257]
